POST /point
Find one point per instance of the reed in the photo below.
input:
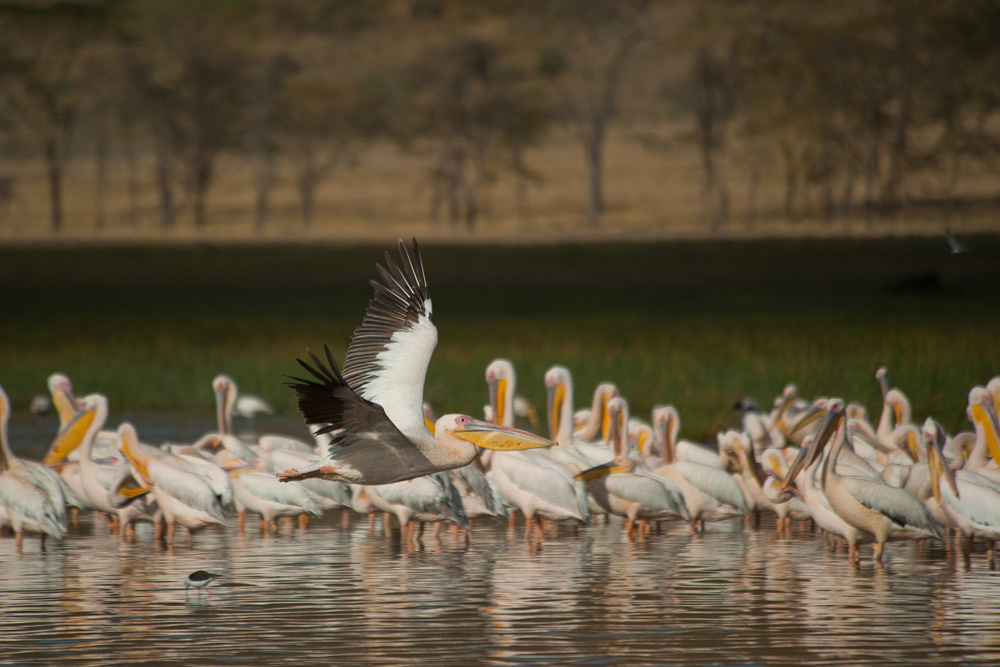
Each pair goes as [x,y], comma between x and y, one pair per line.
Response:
[694,324]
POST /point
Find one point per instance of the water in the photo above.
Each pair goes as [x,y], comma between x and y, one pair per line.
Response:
[347,593]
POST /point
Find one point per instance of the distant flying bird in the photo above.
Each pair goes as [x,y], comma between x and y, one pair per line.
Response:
[40,405]
[249,406]
[200,579]
[374,409]
[957,247]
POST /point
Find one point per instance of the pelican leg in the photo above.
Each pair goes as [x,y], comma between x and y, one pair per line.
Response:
[303,521]
[170,533]
[877,551]
[190,538]
[694,526]
[967,545]
[529,523]
[630,528]
[511,521]
[41,542]
[241,522]
[19,541]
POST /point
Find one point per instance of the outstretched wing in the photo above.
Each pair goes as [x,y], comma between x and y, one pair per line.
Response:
[349,418]
[389,353]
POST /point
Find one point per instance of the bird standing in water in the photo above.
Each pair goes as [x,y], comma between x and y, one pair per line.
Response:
[199,579]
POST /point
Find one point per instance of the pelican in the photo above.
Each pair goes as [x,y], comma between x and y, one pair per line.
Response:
[803,477]
[983,415]
[375,408]
[710,493]
[895,413]
[182,495]
[595,426]
[667,426]
[101,482]
[626,490]
[25,503]
[421,499]
[970,501]
[886,512]
[535,483]
[570,447]
[256,489]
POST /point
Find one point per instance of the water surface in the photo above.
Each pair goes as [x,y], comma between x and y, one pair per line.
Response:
[346,593]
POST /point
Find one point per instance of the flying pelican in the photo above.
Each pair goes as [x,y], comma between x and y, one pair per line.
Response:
[533,482]
[25,503]
[375,408]
[626,490]
[970,501]
[886,512]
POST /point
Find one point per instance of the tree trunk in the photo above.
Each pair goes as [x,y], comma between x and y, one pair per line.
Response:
[594,152]
[101,181]
[54,168]
[164,185]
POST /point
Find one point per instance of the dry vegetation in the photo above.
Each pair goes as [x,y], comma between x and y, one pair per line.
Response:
[757,91]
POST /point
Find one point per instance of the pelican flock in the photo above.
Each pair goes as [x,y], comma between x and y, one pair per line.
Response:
[374,446]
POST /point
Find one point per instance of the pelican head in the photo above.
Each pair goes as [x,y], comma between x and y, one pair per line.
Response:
[934,436]
[500,378]
[225,398]
[559,393]
[882,375]
[91,408]
[982,412]
[487,435]
[62,397]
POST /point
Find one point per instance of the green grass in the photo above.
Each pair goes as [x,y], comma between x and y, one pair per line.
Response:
[694,324]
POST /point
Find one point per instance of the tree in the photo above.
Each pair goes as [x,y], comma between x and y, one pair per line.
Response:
[41,90]
[590,45]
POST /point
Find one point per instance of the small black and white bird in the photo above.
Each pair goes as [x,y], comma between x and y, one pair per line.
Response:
[200,579]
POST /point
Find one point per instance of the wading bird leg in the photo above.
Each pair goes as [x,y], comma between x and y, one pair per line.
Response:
[303,521]
[170,533]
[877,552]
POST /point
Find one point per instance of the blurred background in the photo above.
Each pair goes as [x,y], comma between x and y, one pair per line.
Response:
[354,120]
[696,200]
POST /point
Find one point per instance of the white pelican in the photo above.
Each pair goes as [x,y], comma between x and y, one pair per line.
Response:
[182,495]
[24,503]
[895,413]
[970,501]
[886,512]
[530,481]
[570,448]
[595,427]
[101,482]
[803,477]
[710,493]
[374,410]
[624,489]
[751,478]
[985,456]
[256,489]
[667,426]
[421,499]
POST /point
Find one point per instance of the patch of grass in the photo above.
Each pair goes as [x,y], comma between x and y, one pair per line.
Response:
[694,324]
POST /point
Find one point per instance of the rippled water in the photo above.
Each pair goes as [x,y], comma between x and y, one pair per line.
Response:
[345,593]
